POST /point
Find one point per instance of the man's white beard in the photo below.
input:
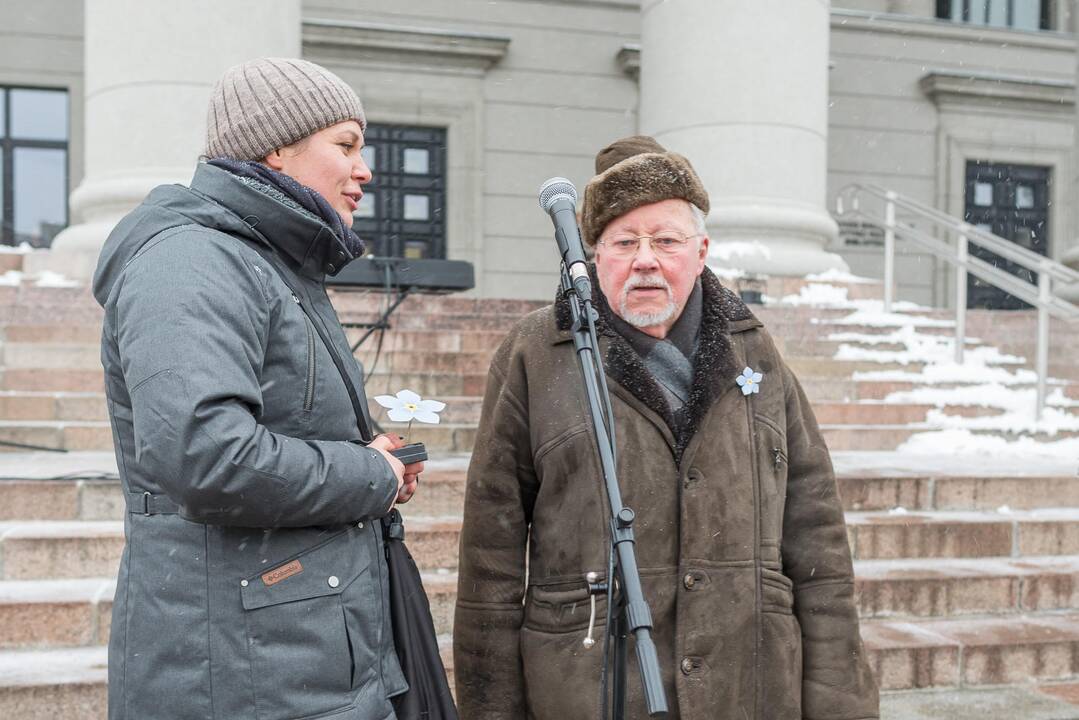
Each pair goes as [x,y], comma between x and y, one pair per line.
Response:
[646,319]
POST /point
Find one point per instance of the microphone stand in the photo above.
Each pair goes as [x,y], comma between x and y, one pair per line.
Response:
[627,610]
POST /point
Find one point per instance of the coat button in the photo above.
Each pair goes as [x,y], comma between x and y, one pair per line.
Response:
[243,583]
[331,269]
[359,525]
[693,477]
[333,581]
[687,666]
[689,581]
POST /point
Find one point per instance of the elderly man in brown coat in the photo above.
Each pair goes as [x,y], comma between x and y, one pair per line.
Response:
[740,534]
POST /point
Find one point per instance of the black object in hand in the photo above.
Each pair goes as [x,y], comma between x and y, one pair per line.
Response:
[412,453]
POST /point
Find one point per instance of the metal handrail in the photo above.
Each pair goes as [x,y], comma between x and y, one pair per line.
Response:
[1039,294]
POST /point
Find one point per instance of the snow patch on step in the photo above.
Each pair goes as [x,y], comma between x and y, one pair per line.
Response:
[19,668]
[819,294]
[961,441]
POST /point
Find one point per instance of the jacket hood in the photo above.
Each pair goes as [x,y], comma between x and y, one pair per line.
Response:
[218,200]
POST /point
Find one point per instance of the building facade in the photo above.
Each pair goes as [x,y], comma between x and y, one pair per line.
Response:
[965,105]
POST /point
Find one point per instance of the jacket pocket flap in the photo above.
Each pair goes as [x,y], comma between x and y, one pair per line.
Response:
[325,569]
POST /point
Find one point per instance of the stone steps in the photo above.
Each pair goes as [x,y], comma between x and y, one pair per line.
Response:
[76,612]
[86,549]
[82,495]
[938,654]
[57,435]
[963,534]
[55,380]
[846,437]
[55,612]
[52,406]
[897,589]
[68,683]
[974,652]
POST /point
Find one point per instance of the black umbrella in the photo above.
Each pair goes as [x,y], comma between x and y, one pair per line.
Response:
[428,696]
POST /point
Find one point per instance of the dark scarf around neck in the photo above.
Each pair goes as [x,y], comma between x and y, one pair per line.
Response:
[308,199]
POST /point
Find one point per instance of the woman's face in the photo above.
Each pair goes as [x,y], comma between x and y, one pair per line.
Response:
[330,163]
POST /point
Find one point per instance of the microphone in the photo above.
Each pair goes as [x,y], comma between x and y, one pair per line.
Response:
[558,198]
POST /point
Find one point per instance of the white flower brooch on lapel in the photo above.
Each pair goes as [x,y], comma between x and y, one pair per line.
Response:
[750,381]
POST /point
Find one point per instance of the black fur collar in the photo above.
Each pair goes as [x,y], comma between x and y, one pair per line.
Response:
[714,365]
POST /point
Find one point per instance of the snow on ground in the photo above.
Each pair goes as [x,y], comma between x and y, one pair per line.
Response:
[52,279]
[20,249]
[867,311]
[835,275]
[46,279]
[986,378]
[962,442]
[725,251]
[917,348]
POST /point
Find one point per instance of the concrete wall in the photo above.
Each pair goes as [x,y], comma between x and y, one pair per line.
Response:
[560,88]
[41,46]
[886,129]
[545,108]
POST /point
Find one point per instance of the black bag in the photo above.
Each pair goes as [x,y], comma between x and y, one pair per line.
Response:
[428,696]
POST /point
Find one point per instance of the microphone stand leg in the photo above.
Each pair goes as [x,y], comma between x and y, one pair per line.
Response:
[621,669]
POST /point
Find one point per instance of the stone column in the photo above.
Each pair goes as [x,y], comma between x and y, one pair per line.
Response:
[149,67]
[741,89]
[1070,257]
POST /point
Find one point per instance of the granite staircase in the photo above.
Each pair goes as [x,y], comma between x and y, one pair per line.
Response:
[967,567]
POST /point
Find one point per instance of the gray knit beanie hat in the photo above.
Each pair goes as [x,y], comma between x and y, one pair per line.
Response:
[262,105]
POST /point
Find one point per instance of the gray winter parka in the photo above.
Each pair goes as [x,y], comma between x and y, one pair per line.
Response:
[253,582]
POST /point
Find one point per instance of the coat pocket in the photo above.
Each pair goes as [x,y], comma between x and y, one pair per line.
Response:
[559,672]
[303,660]
[781,648]
[563,610]
[777,592]
[771,452]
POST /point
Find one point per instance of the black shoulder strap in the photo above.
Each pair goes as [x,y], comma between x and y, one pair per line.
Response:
[363,420]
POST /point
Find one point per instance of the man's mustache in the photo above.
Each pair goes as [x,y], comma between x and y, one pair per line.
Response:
[646,281]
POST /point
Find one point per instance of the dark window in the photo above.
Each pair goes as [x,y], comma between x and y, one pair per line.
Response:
[33,165]
[1011,201]
[1017,14]
[402,213]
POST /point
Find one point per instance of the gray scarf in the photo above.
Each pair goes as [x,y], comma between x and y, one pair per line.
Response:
[670,360]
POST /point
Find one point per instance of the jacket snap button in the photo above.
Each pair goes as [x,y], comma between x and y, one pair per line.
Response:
[689,581]
[333,581]
[359,525]
[243,583]
[331,269]
[687,666]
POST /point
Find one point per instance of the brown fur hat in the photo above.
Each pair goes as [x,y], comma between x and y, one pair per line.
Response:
[632,172]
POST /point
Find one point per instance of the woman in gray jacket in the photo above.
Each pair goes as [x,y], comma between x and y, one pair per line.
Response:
[253,583]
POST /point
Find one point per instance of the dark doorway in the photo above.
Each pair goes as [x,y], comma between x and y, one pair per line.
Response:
[1011,201]
[402,213]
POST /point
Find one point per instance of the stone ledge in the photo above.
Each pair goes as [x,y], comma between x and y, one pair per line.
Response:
[949,86]
[463,52]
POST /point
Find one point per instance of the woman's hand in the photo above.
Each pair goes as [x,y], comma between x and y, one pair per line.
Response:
[408,476]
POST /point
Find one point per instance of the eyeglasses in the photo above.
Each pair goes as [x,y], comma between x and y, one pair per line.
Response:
[668,242]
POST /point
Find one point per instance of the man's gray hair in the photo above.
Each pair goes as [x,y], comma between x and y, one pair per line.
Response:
[698,219]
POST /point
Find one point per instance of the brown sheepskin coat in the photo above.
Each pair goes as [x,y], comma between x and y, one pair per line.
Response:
[740,535]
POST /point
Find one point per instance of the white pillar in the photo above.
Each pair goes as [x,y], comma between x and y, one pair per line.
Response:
[741,89]
[149,67]
[1070,257]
